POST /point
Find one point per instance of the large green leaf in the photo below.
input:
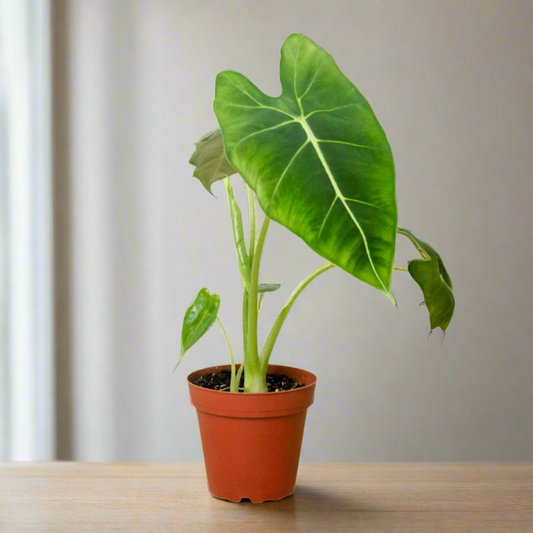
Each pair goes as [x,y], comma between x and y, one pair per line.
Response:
[317,158]
[199,317]
[210,161]
[432,277]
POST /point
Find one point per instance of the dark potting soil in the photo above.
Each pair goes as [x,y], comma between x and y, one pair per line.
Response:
[221,381]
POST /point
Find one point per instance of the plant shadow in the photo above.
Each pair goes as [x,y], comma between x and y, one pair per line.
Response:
[308,503]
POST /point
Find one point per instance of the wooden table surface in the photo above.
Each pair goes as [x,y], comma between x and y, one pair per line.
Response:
[159,497]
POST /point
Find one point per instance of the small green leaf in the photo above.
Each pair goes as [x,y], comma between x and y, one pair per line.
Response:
[210,161]
[262,289]
[268,287]
[199,317]
[432,277]
[238,234]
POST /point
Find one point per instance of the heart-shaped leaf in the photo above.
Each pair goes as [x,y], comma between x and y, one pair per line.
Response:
[317,158]
[199,317]
[432,277]
[210,160]
[268,287]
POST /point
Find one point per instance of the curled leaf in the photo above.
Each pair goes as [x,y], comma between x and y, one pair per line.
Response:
[210,161]
[264,288]
[268,287]
[199,317]
[432,277]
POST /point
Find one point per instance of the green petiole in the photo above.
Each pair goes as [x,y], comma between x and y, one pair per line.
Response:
[238,234]
[234,383]
[276,328]
[254,380]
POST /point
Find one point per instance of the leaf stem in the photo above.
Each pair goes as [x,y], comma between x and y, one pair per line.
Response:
[252,221]
[245,298]
[253,379]
[234,386]
[276,328]
[238,378]
[400,269]
[238,233]
[407,233]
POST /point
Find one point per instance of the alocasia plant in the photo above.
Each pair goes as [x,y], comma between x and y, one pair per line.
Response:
[319,163]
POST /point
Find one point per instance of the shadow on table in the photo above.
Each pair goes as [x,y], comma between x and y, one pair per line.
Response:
[323,500]
[309,504]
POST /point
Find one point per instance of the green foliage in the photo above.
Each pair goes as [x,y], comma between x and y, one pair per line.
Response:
[199,317]
[209,159]
[317,158]
[432,277]
[320,164]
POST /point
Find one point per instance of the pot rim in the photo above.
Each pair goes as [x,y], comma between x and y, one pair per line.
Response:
[248,394]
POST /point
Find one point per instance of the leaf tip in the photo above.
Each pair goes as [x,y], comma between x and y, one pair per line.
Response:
[208,189]
[391,297]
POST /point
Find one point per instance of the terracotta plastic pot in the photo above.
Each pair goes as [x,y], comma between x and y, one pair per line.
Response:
[252,442]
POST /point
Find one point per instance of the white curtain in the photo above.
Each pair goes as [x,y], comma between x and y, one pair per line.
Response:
[27,408]
[121,160]
[110,247]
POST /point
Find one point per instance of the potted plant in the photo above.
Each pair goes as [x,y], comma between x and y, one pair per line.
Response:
[318,162]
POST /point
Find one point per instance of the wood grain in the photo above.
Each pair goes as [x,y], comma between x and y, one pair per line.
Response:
[158,497]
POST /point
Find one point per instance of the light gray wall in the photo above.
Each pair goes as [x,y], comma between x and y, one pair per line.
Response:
[451,83]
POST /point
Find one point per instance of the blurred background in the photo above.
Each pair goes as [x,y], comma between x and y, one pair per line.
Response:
[105,237]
